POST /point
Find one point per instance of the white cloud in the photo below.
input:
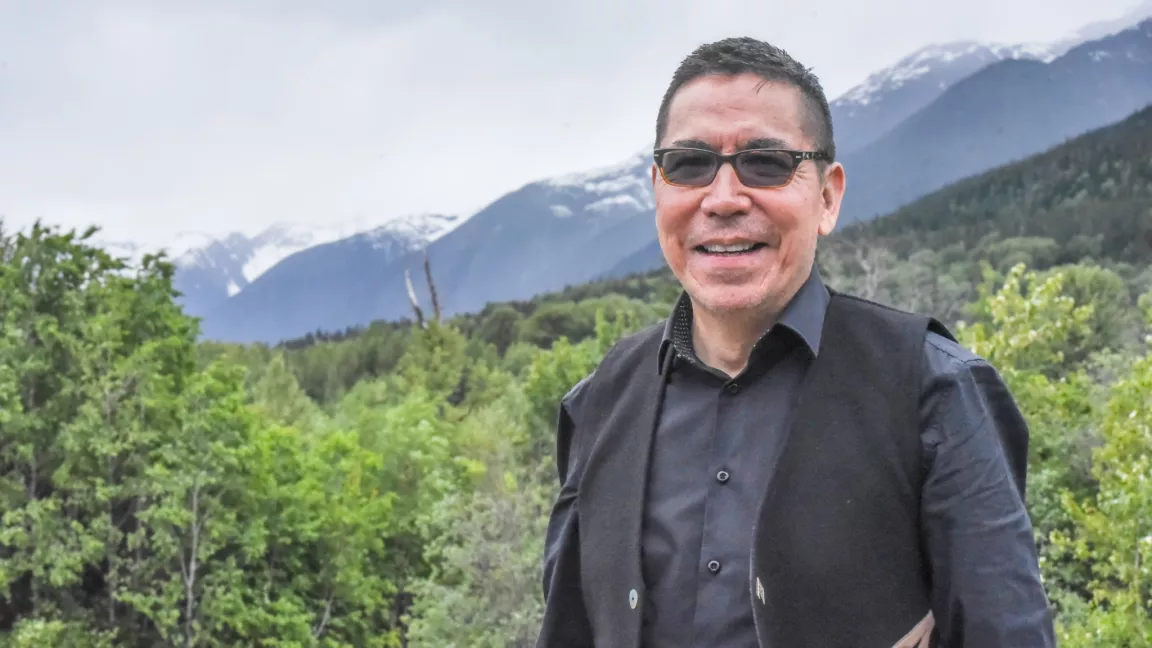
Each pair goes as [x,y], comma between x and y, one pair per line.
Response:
[229,115]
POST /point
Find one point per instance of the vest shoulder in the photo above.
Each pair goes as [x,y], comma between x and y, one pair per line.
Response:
[944,355]
[890,315]
[864,305]
[948,354]
[625,353]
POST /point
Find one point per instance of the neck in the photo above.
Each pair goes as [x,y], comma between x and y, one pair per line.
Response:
[725,341]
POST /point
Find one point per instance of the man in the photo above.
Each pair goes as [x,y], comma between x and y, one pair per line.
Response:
[779,464]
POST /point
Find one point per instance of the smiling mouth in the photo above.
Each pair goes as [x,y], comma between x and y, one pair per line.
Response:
[729,250]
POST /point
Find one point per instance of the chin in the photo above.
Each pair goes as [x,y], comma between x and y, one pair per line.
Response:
[729,299]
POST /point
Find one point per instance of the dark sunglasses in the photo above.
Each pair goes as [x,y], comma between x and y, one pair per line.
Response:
[759,168]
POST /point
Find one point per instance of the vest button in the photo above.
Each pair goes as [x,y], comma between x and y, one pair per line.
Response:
[713,566]
[722,476]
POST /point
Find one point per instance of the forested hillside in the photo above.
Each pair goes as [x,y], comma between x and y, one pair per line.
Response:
[390,487]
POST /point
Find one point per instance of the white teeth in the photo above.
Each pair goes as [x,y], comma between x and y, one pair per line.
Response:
[739,247]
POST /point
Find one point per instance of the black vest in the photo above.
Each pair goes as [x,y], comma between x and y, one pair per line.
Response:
[836,555]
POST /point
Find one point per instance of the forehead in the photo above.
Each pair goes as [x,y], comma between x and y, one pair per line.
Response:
[728,111]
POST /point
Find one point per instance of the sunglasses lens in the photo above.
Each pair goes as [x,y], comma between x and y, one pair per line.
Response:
[694,168]
[764,168]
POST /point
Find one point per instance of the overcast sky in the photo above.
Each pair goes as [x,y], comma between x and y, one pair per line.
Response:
[151,118]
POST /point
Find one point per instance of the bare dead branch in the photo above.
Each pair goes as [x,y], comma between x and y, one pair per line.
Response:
[871,261]
[413,300]
[870,279]
[431,287]
[193,565]
[319,630]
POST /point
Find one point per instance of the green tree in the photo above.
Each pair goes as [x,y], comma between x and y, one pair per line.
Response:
[501,327]
[1114,323]
[277,395]
[1113,532]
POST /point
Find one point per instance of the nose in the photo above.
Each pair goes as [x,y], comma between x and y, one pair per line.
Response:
[726,196]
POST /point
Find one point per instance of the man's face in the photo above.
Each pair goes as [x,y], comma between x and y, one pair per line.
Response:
[727,114]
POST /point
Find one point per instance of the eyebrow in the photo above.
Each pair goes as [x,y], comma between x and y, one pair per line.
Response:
[757,143]
[766,142]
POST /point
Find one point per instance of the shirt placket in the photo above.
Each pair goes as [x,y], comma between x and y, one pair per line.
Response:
[716,573]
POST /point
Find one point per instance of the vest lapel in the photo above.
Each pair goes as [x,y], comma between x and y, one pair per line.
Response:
[612,497]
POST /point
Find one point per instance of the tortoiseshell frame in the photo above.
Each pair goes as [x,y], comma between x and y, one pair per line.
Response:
[720,159]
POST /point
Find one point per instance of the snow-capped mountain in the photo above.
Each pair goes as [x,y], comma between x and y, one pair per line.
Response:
[931,59]
[1005,112]
[210,273]
[887,97]
[549,234]
[246,258]
[545,235]
[866,112]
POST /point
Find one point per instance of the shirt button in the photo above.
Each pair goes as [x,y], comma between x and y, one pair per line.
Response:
[713,566]
[733,388]
[722,476]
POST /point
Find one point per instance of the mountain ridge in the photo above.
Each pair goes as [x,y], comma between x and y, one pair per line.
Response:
[508,247]
[209,275]
[1092,84]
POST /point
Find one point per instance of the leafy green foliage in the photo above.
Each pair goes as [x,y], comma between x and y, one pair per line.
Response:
[1113,532]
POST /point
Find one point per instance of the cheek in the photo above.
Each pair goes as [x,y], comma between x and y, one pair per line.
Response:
[674,212]
[792,213]
[783,214]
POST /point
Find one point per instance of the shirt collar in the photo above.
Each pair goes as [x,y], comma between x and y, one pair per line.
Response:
[804,316]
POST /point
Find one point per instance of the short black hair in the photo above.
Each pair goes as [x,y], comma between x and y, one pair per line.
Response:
[739,55]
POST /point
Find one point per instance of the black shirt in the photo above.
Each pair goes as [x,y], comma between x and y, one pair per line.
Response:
[717,435]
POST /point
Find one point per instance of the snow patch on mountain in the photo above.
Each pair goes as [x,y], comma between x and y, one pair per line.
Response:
[608,179]
[282,240]
[612,202]
[265,256]
[422,228]
[626,184]
[933,57]
[257,254]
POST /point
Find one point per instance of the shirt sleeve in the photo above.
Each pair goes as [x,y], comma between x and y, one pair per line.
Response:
[986,586]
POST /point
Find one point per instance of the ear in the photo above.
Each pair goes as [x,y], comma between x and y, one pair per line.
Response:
[831,196]
[654,174]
